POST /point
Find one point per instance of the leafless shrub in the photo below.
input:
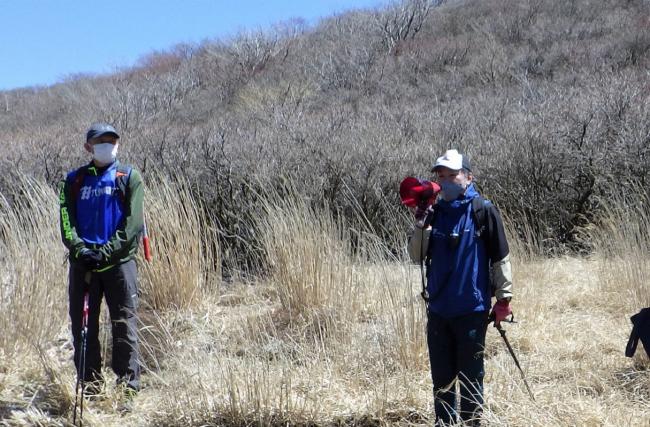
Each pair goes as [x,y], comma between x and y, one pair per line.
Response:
[404,21]
[545,97]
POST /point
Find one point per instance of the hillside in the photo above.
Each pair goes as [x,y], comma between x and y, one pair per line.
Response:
[549,99]
[280,293]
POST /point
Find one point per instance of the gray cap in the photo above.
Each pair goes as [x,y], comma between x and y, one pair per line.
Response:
[99,129]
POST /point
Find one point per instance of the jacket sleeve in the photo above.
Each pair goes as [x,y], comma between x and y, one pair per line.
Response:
[68,221]
[127,233]
[418,243]
[499,254]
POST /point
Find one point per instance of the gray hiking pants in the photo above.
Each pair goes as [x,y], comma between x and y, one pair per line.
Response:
[120,287]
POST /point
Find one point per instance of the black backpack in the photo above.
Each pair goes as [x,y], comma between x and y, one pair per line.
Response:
[640,331]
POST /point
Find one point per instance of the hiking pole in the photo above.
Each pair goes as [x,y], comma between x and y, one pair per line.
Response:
[81,370]
[502,332]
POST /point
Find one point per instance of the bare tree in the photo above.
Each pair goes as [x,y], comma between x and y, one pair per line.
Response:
[403,22]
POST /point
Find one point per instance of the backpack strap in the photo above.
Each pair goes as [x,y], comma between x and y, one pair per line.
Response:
[479,214]
[122,176]
[77,182]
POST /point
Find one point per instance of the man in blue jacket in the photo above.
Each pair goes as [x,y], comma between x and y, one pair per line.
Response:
[467,260]
[101,210]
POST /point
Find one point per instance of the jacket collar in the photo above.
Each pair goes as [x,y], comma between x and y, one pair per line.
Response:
[93,170]
[461,201]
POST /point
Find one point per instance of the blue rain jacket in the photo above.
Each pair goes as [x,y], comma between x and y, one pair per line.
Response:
[457,272]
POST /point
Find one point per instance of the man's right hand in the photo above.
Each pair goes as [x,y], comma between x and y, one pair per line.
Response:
[90,258]
[421,214]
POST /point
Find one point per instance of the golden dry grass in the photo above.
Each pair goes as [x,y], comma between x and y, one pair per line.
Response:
[32,261]
[178,234]
[339,340]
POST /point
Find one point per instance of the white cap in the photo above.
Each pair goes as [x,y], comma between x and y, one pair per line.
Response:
[451,160]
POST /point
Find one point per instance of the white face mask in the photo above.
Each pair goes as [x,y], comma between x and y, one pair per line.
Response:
[105,153]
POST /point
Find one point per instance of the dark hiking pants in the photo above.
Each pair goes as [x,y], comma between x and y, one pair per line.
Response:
[119,286]
[456,353]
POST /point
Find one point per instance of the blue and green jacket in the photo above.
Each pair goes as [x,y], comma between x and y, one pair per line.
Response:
[94,213]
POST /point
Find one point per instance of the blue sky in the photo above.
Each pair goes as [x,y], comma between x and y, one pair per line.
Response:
[42,42]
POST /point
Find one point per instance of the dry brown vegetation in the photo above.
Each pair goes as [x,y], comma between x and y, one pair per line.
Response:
[279,293]
[329,336]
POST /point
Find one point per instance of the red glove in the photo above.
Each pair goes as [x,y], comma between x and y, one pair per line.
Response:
[501,311]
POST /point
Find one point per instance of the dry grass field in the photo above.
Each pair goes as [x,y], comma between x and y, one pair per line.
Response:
[325,338]
[266,306]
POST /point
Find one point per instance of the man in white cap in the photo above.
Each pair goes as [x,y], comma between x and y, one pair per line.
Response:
[463,244]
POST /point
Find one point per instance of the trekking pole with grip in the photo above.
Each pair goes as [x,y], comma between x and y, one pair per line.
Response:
[81,370]
[502,332]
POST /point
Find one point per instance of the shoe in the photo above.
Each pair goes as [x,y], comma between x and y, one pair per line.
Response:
[127,396]
[92,389]
[125,407]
